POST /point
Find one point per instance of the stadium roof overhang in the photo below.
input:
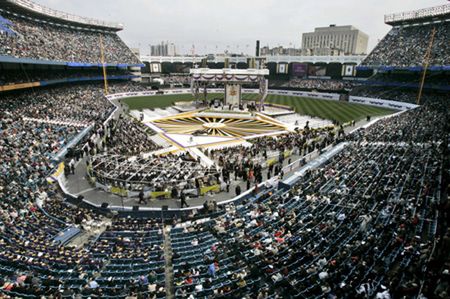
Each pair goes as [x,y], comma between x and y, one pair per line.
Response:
[34,10]
[426,15]
[50,63]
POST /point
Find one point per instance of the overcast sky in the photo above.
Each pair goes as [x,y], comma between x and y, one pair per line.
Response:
[216,25]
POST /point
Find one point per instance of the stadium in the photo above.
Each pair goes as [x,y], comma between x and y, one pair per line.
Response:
[222,176]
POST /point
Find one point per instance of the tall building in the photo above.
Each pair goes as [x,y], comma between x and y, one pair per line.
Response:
[164,49]
[171,50]
[335,40]
[157,50]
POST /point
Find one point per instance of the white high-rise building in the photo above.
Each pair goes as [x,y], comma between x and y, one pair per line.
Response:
[335,40]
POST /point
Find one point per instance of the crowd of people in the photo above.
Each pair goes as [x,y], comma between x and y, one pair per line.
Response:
[365,225]
[31,210]
[118,263]
[319,84]
[121,163]
[427,123]
[247,162]
[406,46]
[128,259]
[34,127]
[36,39]
[122,136]
[397,94]
[177,79]
[79,104]
[434,79]
[320,238]
[33,75]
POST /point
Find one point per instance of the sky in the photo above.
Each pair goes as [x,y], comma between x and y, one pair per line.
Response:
[213,26]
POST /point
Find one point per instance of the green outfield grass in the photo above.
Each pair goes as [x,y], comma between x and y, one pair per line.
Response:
[340,111]
[333,110]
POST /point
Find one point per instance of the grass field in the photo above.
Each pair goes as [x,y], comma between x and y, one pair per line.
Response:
[340,111]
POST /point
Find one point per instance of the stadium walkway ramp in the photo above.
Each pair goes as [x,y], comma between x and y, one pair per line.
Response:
[204,160]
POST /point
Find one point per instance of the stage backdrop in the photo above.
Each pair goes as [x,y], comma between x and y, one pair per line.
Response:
[232,94]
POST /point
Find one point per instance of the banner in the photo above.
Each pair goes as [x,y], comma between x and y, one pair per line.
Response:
[282,68]
[213,188]
[271,161]
[119,191]
[382,103]
[287,153]
[155,68]
[157,194]
[348,70]
[299,69]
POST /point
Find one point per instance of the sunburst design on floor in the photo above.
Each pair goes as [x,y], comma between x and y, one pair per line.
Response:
[218,125]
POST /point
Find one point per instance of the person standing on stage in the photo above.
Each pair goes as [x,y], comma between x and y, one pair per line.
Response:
[174,193]
[141,197]
[183,200]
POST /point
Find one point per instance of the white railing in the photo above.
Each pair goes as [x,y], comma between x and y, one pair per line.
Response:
[418,14]
[30,5]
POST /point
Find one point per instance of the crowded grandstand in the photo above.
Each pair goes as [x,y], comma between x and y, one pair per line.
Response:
[196,196]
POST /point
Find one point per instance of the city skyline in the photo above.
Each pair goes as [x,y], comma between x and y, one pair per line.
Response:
[216,26]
